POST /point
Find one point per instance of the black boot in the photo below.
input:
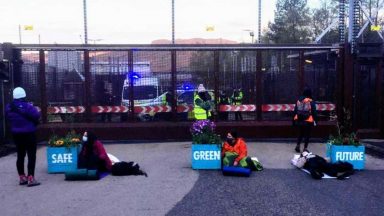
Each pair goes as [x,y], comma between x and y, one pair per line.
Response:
[297,149]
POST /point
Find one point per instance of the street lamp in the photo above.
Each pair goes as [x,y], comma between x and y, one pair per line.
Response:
[94,40]
[251,33]
[173,21]
[85,22]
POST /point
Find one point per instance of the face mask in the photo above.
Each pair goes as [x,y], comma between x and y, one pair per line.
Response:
[229,140]
[85,139]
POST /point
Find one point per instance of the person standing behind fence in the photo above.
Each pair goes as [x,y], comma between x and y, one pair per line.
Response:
[223,100]
[305,117]
[202,104]
[24,118]
[237,99]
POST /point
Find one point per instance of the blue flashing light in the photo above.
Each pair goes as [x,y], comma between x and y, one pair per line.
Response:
[134,75]
[187,86]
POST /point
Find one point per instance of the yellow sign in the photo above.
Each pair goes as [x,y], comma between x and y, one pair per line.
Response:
[28,27]
[375,28]
[210,28]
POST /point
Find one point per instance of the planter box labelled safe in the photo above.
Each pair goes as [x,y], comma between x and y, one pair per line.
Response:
[352,154]
[206,156]
[62,159]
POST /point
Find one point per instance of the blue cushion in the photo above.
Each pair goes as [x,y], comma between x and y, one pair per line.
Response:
[236,171]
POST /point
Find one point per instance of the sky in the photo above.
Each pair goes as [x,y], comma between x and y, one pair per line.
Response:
[131,21]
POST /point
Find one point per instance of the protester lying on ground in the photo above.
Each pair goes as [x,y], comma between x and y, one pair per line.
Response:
[123,168]
[318,166]
[93,155]
[234,153]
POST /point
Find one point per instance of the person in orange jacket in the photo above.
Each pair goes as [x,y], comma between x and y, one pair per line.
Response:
[234,153]
[234,147]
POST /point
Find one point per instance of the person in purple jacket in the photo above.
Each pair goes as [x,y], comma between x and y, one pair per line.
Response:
[23,118]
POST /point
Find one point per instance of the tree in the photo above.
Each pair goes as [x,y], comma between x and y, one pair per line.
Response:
[375,9]
[323,17]
[291,24]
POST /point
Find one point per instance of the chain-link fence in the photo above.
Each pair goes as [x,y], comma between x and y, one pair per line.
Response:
[161,85]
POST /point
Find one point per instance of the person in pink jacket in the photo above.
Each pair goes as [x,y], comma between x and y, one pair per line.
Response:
[93,154]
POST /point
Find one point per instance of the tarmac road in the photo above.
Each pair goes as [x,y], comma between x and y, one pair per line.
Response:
[173,187]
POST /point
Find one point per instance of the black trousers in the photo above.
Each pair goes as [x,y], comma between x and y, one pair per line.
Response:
[238,116]
[25,145]
[304,132]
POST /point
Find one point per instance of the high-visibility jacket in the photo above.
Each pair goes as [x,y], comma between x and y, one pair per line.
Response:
[240,148]
[199,112]
[237,100]
[164,99]
[310,118]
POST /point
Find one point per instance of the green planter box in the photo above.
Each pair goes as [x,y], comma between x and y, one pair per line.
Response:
[352,154]
[206,156]
[62,159]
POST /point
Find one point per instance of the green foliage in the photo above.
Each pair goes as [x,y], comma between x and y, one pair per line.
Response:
[322,18]
[206,138]
[292,22]
[70,140]
[345,134]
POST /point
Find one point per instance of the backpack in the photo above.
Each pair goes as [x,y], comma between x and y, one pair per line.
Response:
[126,168]
[303,109]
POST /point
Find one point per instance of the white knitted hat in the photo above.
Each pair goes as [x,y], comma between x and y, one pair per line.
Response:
[19,93]
[201,88]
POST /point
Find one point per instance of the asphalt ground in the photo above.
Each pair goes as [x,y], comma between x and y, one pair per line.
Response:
[173,188]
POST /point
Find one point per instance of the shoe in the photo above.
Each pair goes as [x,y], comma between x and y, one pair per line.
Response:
[297,149]
[32,181]
[305,149]
[23,180]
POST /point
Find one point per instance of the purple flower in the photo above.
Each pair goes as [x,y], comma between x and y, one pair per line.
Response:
[202,126]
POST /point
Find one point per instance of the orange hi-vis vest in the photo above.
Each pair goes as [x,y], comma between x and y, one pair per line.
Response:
[310,118]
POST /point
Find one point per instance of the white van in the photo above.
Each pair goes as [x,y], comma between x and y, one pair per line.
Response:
[145,92]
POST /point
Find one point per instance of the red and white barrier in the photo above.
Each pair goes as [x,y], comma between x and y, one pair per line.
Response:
[180,108]
[184,108]
[325,107]
[237,108]
[152,109]
[65,109]
[110,109]
[271,108]
[278,107]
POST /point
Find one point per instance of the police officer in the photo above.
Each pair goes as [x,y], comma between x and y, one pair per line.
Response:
[237,99]
[223,100]
[201,104]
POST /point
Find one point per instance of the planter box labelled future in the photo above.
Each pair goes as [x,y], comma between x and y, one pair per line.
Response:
[352,154]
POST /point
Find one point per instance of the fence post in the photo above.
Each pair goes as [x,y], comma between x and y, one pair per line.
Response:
[43,86]
[131,89]
[259,87]
[173,84]
[216,69]
[87,99]
[379,95]
[300,72]
[340,83]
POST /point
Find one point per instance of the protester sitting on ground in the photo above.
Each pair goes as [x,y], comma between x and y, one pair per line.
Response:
[234,153]
[93,155]
[318,166]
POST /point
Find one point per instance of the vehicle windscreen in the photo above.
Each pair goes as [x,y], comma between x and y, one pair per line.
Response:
[140,92]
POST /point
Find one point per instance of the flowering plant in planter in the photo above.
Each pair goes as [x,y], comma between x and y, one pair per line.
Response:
[345,134]
[203,132]
[70,140]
